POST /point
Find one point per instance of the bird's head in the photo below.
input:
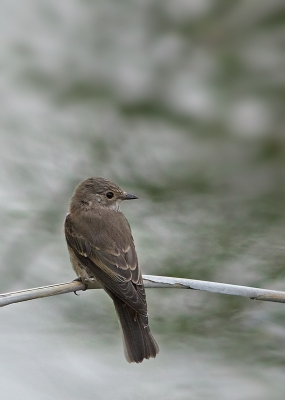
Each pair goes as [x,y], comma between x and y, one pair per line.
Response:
[99,192]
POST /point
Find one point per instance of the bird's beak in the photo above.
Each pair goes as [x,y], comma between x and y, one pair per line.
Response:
[128,196]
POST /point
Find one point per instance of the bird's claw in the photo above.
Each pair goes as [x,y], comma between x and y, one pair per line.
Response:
[80,280]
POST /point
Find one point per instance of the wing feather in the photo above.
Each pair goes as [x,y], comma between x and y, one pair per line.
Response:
[116,268]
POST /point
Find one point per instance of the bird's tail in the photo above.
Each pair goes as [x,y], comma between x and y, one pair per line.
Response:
[138,340]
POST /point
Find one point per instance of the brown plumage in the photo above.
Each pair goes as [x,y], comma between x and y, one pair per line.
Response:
[101,247]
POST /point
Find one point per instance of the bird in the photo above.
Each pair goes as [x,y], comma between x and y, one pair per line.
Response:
[101,249]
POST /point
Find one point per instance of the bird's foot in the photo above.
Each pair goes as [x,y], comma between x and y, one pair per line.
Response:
[80,280]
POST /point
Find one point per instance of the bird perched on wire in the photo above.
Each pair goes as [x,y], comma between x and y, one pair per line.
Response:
[101,248]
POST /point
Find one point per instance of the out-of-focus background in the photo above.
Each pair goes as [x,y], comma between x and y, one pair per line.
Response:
[180,102]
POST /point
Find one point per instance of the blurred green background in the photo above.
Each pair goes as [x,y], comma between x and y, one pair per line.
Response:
[180,102]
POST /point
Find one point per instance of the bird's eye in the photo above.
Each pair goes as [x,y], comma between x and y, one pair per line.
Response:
[110,195]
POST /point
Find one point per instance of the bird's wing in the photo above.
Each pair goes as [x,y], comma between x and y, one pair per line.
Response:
[116,268]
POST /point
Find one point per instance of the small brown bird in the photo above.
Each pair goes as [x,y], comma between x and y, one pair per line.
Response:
[101,247]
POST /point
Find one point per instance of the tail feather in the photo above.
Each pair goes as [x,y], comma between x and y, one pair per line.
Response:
[138,340]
